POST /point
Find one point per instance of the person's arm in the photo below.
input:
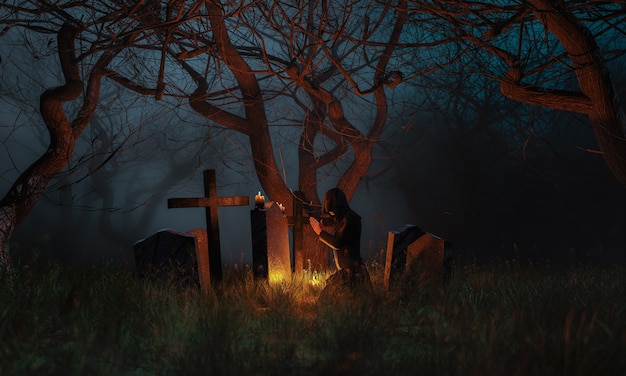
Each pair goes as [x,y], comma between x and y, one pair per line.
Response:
[316,225]
[326,237]
[336,240]
[329,239]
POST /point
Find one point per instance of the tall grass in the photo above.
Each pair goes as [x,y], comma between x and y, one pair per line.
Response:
[489,321]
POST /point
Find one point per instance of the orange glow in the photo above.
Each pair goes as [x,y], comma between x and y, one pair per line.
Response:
[259,200]
[315,279]
[278,276]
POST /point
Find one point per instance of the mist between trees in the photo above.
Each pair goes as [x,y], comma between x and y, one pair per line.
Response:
[498,126]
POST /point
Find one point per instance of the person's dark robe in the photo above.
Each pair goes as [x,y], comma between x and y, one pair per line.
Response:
[344,240]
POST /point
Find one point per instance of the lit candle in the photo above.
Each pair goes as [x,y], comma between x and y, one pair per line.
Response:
[259,200]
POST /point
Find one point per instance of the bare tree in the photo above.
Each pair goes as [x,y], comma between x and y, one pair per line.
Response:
[547,53]
[23,195]
[311,51]
[145,47]
[85,51]
[320,71]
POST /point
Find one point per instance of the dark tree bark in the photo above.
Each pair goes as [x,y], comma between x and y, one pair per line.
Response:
[324,107]
[30,185]
[597,97]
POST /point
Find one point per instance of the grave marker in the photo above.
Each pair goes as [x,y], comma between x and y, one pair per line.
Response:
[425,257]
[397,244]
[316,257]
[410,250]
[271,257]
[297,222]
[211,203]
[167,254]
[202,258]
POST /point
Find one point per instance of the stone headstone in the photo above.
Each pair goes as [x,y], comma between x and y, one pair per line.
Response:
[424,257]
[168,254]
[411,251]
[397,244]
[297,223]
[202,258]
[271,257]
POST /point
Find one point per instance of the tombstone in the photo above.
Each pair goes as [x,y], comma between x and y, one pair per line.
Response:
[412,251]
[298,221]
[424,257]
[271,257]
[397,245]
[168,255]
[202,258]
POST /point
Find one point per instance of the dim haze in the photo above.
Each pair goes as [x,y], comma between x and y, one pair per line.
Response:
[498,178]
[550,209]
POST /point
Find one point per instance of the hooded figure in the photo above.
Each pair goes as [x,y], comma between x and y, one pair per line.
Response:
[344,238]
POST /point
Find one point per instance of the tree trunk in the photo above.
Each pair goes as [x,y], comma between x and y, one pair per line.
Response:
[314,254]
[597,98]
[254,107]
[30,185]
[256,127]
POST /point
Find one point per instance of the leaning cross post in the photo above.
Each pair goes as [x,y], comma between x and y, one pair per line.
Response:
[296,222]
[316,256]
[211,202]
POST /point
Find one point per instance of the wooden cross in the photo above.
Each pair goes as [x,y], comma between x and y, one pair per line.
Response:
[296,221]
[211,203]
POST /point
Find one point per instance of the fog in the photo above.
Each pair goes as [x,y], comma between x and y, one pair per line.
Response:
[501,192]
[563,207]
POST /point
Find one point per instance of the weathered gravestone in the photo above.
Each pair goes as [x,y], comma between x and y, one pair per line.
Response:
[202,258]
[211,203]
[168,254]
[410,252]
[271,257]
[297,223]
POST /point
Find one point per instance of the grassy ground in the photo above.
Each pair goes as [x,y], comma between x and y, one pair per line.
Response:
[499,320]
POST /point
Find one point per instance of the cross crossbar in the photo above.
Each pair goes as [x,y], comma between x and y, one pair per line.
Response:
[198,202]
[211,203]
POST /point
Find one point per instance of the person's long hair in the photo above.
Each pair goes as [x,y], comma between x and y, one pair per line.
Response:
[335,202]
